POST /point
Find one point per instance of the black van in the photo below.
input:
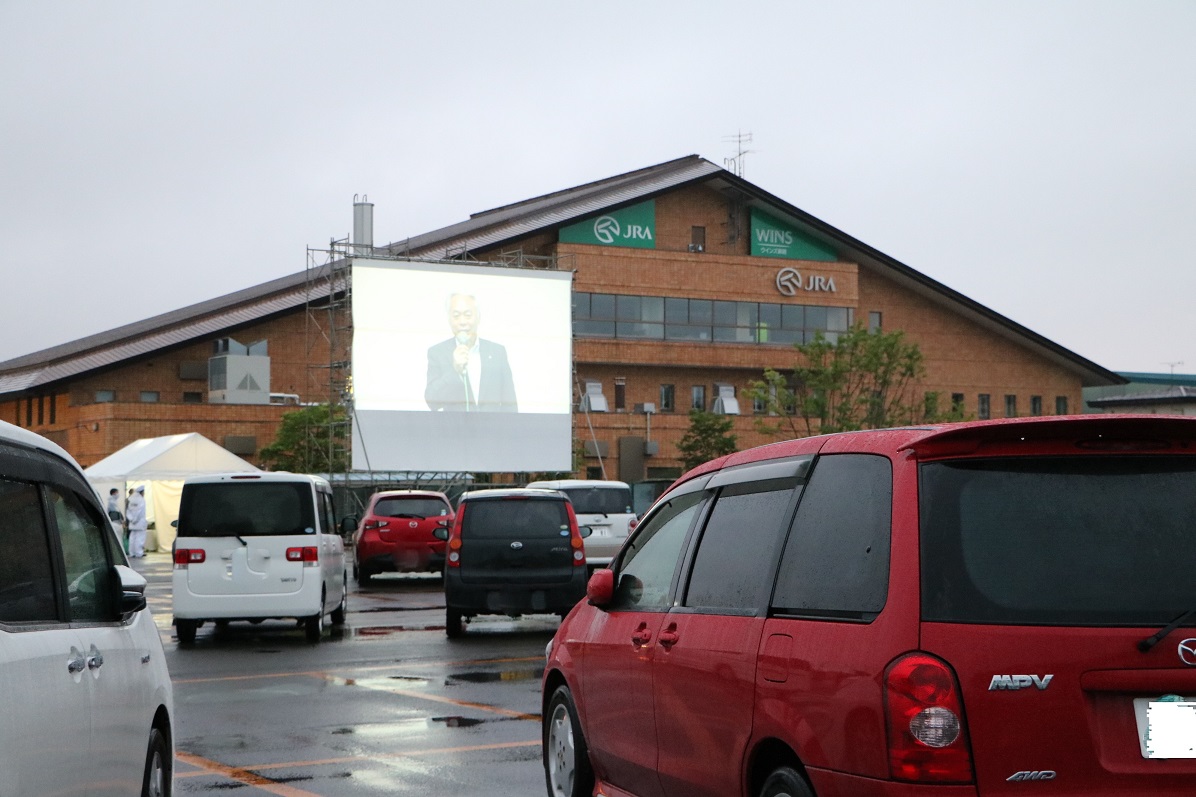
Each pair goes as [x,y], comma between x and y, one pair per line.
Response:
[512,552]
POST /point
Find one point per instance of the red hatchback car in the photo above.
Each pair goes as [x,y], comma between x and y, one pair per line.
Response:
[976,609]
[395,534]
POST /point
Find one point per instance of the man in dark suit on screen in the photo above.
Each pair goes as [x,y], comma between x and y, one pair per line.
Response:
[466,373]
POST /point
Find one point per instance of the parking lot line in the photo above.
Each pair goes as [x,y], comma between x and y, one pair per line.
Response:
[240,775]
[209,767]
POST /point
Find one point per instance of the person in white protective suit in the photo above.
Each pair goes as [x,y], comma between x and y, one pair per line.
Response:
[135,516]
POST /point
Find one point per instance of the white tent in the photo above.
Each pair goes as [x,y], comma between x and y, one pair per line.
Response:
[160,464]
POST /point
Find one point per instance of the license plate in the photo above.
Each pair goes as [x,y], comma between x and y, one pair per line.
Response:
[1166,728]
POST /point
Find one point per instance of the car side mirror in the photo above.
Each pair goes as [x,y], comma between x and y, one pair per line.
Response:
[440,533]
[601,588]
[585,531]
[132,590]
[349,524]
[174,524]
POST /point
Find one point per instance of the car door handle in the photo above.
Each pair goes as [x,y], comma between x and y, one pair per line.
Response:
[642,636]
[76,662]
[95,659]
[668,637]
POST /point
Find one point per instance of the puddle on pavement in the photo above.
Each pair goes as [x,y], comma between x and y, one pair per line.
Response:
[458,722]
[486,677]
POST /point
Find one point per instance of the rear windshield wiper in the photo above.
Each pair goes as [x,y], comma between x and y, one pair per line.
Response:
[1157,637]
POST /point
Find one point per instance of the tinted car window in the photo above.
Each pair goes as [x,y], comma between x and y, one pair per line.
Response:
[649,560]
[836,561]
[84,558]
[600,500]
[244,509]
[26,580]
[1097,540]
[733,568]
[414,507]
[515,518]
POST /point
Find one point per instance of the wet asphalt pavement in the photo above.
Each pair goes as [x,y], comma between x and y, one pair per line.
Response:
[385,705]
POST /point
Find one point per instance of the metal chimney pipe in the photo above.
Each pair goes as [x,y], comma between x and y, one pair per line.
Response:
[363,226]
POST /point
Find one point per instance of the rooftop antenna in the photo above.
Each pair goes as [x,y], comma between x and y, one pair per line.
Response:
[1172,365]
[735,164]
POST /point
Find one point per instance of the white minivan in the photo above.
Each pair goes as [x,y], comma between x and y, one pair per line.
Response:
[87,705]
[604,506]
[258,546]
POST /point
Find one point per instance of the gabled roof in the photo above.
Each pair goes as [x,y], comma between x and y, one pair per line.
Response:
[491,230]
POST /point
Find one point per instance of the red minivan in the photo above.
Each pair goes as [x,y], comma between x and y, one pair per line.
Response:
[980,609]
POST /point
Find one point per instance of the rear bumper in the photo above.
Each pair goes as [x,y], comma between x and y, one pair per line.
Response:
[402,561]
[828,783]
[513,599]
[304,602]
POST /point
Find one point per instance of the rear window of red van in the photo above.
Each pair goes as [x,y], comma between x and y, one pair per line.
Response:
[1083,541]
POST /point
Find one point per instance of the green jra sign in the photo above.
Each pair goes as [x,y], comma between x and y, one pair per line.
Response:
[773,238]
[633,226]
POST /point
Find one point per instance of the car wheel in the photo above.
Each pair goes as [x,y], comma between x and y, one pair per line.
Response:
[185,629]
[785,782]
[313,627]
[362,575]
[454,625]
[156,781]
[338,614]
[566,758]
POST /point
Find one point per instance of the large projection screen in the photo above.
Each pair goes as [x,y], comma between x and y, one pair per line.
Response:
[461,367]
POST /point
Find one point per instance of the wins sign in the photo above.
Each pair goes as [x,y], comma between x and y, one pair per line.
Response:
[634,226]
[772,238]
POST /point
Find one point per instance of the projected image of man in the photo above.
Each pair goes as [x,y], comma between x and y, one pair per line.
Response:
[465,372]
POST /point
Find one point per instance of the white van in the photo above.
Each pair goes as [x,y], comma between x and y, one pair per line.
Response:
[87,705]
[258,546]
[604,506]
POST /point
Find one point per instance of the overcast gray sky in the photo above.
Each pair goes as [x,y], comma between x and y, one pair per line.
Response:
[1039,157]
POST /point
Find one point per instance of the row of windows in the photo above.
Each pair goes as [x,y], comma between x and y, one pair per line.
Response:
[698,394]
[984,405]
[606,315]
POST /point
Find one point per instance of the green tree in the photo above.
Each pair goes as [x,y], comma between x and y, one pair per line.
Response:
[310,440]
[861,380]
[709,436]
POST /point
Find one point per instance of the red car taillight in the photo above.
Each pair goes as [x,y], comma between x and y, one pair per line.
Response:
[453,556]
[579,549]
[309,555]
[928,739]
[188,556]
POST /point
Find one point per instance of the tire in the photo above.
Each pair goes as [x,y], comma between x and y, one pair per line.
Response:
[313,627]
[156,781]
[785,782]
[185,629]
[454,625]
[338,614]
[567,769]
[362,576]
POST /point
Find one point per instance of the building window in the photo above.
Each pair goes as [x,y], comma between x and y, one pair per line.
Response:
[983,410]
[697,397]
[53,409]
[150,396]
[105,396]
[957,403]
[620,393]
[29,411]
[697,239]
[192,397]
[1036,405]
[874,321]
[594,472]
[604,315]
[1010,406]
[41,410]
[1060,405]
[668,399]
